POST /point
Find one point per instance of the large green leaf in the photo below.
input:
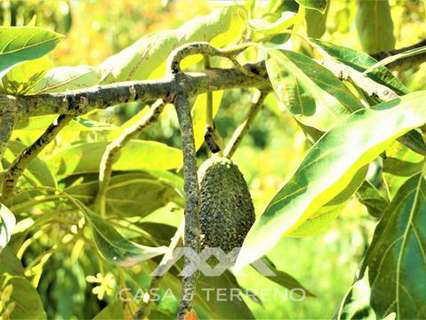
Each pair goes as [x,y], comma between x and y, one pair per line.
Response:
[7,223]
[396,259]
[113,246]
[66,78]
[374,25]
[24,43]
[315,22]
[137,155]
[131,194]
[329,167]
[27,302]
[142,58]
[322,100]
[361,62]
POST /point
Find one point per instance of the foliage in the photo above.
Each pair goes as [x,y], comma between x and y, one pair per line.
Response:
[352,152]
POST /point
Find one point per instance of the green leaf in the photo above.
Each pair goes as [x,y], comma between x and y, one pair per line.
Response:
[361,62]
[24,75]
[374,199]
[199,115]
[319,5]
[315,22]
[329,167]
[66,78]
[375,26]
[402,168]
[32,127]
[284,279]
[131,194]
[28,304]
[24,43]
[330,101]
[396,259]
[7,223]
[141,59]
[111,311]
[113,246]
[137,155]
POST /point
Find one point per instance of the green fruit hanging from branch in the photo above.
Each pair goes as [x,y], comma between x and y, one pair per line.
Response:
[227,211]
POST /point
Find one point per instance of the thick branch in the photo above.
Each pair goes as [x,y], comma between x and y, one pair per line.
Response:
[21,162]
[403,63]
[7,122]
[77,102]
[192,206]
[242,129]
[112,150]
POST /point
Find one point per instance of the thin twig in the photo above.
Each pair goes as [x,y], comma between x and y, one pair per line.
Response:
[112,151]
[192,206]
[206,49]
[242,129]
[209,102]
[7,122]
[21,162]
[145,308]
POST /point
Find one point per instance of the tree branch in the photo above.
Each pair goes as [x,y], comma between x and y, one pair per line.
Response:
[192,206]
[78,102]
[403,63]
[7,122]
[112,151]
[15,170]
[242,129]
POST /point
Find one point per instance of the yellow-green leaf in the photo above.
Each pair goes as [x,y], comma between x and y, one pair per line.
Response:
[329,167]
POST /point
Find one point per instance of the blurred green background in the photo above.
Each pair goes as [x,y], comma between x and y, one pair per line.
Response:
[325,263]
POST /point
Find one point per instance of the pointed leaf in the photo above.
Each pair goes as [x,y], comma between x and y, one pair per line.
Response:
[361,62]
[373,199]
[114,247]
[137,155]
[66,78]
[131,194]
[141,59]
[329,167]
[24,43]
[333,102]
[374,25]
[396,259]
